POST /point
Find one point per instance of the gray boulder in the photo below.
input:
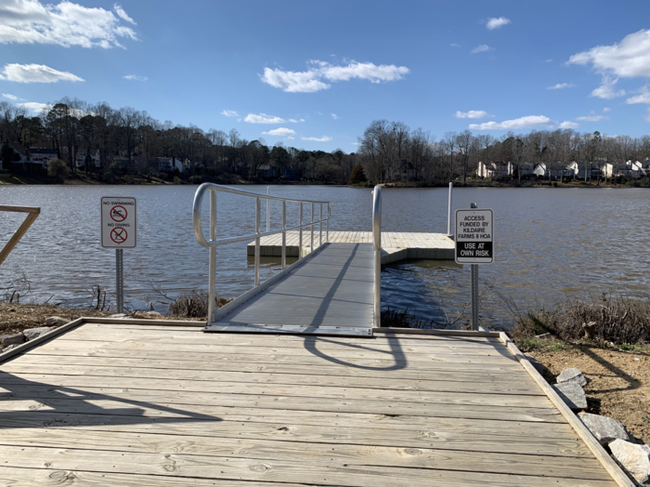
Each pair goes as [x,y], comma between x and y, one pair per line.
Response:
[604,429]
[572,394]
[56,321]
[572,375]
[122,316]
[32,333]
[633,458]
[11,347]
[15,339]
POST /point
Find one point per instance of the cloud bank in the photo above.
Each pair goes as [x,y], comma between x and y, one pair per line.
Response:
[35,73]
[518,123]
[281,132]
[66,24]
[319,76]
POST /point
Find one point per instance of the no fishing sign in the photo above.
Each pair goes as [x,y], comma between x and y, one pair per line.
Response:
[118,222]
[474,236]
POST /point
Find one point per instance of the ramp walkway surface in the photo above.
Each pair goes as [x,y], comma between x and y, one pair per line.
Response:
[140,404]
[331,292]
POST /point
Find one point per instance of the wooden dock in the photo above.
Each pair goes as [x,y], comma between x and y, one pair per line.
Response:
[113,402]
[396,246]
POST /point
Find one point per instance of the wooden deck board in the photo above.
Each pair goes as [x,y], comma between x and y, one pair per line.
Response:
[138,405]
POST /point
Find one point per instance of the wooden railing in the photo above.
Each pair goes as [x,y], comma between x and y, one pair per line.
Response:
[33,213]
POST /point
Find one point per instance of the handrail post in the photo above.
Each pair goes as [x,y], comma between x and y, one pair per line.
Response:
[451,185]
[376,237]
[329,212]
[320,227]
[312,228]
[300,234]
[268,210]
[258,207]
[284,234]
[212,264]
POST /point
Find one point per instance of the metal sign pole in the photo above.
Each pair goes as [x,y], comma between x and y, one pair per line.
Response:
[451,186]
[474,287]
[119,272]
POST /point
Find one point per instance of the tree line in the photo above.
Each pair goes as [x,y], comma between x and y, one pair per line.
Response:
[387,151]
[71,125]
[390,151]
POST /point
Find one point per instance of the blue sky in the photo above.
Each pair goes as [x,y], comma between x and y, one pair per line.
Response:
[313,75]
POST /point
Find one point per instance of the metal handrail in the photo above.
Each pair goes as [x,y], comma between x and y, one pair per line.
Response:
[376,245]
[212,242]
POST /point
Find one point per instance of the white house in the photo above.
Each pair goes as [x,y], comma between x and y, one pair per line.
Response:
[166,164]
[540,170]
[80,159]
[572,170]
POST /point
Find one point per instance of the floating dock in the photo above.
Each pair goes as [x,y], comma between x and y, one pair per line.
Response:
[142,403]
[395,246]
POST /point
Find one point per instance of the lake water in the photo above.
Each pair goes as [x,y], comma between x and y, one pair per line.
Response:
[550,244]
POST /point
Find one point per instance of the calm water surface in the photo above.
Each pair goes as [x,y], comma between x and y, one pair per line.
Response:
[550,244]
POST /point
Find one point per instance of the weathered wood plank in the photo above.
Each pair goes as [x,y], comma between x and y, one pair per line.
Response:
[104,442]
[394,396]
[45,392]
[448,439]
[217,377]
[503,375]
[237,468]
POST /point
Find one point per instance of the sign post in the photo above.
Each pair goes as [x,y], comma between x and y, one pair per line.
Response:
[119,231]
[474,246]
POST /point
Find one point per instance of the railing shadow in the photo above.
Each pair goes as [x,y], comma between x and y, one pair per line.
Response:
[60,400]
[396,353]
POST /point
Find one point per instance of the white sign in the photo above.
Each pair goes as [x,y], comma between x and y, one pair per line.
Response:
[119,228]
[474,236]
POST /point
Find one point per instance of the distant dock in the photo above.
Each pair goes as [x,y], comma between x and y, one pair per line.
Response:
[395,246]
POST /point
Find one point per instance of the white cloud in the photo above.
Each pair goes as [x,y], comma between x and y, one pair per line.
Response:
[481,48]
[644,97]
[293,120]
[592,118]
[281,132]
[66,24]
[607,109]
[312,80]
[548,61]
[569,125]
[10,96]
[560,86]
[454,45]
[35,106]
[35,73]
[262,118]
[518,123]
[496,22]
[229,113]
[606,89]
[135,77]
[324,138]
[122,14]
[471,114]
[628,59]
[335,116]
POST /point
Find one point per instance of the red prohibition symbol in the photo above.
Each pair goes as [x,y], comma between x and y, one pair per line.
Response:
[119,235]
[118,213]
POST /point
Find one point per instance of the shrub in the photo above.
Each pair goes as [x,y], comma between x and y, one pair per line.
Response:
[193,305]
[56,168]
[618,320]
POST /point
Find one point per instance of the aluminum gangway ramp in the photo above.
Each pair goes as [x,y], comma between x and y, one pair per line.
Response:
[331,293]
